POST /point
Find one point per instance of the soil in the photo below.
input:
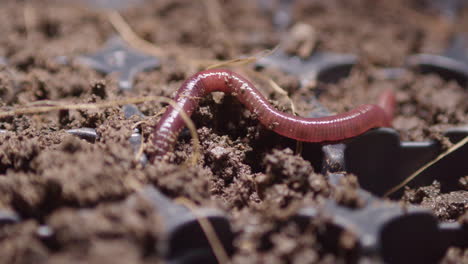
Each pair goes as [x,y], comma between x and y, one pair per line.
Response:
[76,189]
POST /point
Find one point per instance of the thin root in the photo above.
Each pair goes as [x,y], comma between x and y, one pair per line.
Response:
[127,33]
[137,124]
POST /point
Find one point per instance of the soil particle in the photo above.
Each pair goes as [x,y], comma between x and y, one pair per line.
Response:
[226,159]
[346,192]
[87,233]
[446,206]
[192,182]
[289,177]
[418,195]
[276,240]
[63,175]
[303,39]
[455,255]
[464,183]
[17,153]
[18,244]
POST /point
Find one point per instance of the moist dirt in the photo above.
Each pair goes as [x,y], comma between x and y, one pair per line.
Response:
[56,181]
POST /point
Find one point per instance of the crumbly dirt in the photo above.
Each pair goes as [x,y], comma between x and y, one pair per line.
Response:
[446,206]
[71,193]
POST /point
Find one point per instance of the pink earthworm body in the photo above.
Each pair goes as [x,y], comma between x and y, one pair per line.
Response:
[330,128]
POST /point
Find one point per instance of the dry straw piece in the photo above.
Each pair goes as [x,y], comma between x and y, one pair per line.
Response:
[55,106]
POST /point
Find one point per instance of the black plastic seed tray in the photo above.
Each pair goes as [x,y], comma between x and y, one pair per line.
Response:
[323,66]
[368,156]
[185,239]
[381,161]
[118,57]
[450,65]
[184,242]
[387,231]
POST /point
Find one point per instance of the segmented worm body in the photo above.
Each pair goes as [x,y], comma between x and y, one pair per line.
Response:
[331,128]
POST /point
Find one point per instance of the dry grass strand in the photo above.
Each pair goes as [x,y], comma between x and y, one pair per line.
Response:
[55,106]
[127,34]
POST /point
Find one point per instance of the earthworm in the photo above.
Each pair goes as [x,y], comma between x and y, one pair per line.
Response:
[330,128]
